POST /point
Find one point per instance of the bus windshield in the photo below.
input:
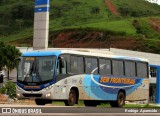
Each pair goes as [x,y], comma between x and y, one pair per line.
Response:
[36,69]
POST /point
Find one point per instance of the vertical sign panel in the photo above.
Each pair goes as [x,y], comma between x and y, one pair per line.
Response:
[41,9]
[41,24]
[42,2]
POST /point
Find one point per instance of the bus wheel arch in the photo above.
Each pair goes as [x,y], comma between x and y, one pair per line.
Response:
[73,97]
[122,90]
[121,97]
[77,93]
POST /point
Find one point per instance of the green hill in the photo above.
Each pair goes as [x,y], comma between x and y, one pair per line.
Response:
[86,22]
[136,8]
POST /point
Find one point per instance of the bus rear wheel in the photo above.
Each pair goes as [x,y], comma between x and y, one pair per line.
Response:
[72,98]
[120,100]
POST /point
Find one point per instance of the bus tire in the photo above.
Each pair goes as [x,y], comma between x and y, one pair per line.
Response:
[72,98]
[120,100]
[40,101]
[90,103]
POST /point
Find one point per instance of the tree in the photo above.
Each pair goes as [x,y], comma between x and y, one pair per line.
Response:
[2,64]
[8,55]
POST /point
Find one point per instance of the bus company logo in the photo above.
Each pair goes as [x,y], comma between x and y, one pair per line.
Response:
[6,110]
[118,80]
[80,81]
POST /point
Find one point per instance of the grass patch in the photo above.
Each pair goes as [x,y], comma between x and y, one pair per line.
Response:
[147,30]
[76,12]
[143,8]
[26,33]
[117,26]
[140,106]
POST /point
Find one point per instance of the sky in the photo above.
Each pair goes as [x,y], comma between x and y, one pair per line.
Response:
[158,1]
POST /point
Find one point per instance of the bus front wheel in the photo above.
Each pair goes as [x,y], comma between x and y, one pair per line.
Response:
[120,100]
[72,98]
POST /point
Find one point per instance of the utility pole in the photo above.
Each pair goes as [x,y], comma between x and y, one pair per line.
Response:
[41,24]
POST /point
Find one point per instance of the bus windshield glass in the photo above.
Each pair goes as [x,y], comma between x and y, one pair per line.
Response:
[36,69]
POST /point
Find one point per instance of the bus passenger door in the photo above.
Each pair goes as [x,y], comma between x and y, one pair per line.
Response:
[60,86]
[61,70]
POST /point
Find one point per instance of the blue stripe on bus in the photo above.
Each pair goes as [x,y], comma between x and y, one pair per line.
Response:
[41,9]
[41,53]
[42,2]
[127,58]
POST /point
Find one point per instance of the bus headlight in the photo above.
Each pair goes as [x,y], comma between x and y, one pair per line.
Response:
[18,95]
[49,87]
[48,95]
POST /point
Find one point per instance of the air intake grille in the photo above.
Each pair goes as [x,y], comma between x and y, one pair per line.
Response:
[32,95]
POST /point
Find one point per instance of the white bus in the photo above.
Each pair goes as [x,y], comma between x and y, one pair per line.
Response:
[69,76]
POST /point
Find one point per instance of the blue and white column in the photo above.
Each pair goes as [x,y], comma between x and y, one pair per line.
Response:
[158,86]
[41,24]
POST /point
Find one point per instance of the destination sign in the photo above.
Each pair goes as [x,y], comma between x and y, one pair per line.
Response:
[30,59]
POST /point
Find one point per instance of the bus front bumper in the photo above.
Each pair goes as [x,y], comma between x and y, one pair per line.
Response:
[42,94]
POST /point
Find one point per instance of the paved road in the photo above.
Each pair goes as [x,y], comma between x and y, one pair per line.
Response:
[13,109]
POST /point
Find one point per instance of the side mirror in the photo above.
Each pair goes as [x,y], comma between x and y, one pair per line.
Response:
[62,65]
[17,59]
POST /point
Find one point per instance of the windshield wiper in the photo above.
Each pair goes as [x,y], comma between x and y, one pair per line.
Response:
[33,71]
[29,73]
[37,73]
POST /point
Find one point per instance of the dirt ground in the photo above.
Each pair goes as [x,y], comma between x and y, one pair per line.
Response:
[111,7]
[155,23]
[5,100]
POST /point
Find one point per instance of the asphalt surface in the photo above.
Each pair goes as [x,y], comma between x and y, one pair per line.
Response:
[25,110]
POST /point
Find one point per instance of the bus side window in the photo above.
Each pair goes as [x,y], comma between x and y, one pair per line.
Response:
[62,67]
[90,65]
[142,70]
[130,68]
[118,68]
[77,64]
